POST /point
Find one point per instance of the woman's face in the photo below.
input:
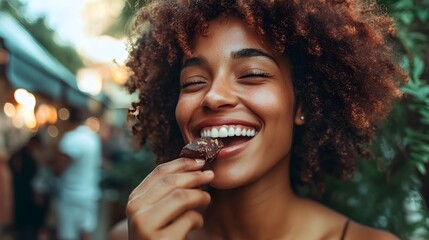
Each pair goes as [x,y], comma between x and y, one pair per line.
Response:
[235,87]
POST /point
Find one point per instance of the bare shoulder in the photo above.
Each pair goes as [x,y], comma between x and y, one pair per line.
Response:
[359,231]
[119,231]
[331,224]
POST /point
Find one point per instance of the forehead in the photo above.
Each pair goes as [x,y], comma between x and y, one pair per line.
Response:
[228,34]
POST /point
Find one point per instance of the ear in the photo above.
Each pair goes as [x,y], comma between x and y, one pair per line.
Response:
[299,116]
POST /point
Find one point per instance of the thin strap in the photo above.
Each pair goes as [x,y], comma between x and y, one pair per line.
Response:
[345,229]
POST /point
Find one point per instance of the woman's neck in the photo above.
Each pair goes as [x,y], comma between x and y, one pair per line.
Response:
[259,210]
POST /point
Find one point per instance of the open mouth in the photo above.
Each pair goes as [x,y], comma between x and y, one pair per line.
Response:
[230,135]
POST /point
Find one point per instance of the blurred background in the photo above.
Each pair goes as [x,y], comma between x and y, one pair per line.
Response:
[59,57]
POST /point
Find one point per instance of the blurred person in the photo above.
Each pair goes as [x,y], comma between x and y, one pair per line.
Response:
[5,194]
[44,185]
[30,206]
[78,169]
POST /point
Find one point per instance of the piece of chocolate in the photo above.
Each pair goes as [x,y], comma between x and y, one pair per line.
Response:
[202,148]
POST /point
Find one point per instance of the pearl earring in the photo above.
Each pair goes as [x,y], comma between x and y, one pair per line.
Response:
[302,117]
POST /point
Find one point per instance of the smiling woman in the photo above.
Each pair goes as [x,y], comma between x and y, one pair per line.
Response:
[294,90]
[240,83]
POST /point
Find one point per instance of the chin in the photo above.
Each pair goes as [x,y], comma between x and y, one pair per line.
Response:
[227,179]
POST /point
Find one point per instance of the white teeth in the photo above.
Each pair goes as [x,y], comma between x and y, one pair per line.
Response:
[214,133]
[252,133]
[223,132]
[231,132]
[238,131]
[226,131]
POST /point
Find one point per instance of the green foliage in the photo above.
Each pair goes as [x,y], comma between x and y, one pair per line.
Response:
[44,35]
[385,193]
[125,21]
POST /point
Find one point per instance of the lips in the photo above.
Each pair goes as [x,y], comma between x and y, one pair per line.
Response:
[234,137]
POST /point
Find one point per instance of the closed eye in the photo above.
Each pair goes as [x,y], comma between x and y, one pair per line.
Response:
[256,74]
[190,83]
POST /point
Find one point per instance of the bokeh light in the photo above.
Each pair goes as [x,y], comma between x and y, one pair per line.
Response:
[25,98]
[89,81]
[9,109]
[63,114]
[52,131]
[93,123]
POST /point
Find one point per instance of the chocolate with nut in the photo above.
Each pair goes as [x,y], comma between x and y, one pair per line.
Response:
[202,148]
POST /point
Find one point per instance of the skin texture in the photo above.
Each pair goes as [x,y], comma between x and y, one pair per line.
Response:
[249,181]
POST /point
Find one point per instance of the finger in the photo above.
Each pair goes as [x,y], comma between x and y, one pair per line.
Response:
[173,205]
[181,226]
[175,166]
[167,184]
[172,181]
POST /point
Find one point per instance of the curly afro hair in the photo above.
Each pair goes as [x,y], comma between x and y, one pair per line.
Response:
[345,75]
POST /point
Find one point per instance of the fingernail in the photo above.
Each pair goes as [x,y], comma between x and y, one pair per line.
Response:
[208,172]
[200,161]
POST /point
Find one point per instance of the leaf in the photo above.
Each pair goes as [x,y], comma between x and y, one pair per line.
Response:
[424,91]
[418,67]
[403,4]
[414,134]
[421,168]
[417,37]
[407,42]
[425,121]
[422,14]
[419,157]
[415,93]
[424,147]
[424,112]
[406,17]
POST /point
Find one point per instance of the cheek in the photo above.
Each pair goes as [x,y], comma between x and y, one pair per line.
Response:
[184,109]
[272,102]
[181,111]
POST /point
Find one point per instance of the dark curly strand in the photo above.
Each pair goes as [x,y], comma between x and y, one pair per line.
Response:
[344,75]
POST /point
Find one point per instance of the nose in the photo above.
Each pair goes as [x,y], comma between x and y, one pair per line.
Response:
[220,95]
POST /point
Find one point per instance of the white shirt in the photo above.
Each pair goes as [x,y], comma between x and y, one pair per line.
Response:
[80,181]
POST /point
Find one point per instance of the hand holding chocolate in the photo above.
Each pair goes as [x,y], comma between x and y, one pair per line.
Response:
[202,148]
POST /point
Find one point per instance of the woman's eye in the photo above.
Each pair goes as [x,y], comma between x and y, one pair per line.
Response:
[191,83]
[256,74]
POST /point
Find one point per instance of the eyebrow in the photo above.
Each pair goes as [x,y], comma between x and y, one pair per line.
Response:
[251,52]
[194,61]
